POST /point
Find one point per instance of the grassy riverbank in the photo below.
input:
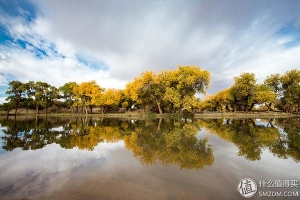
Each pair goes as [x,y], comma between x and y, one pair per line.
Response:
[147,115]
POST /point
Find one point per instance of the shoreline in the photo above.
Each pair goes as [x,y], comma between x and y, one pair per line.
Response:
[140,115]
[247,115]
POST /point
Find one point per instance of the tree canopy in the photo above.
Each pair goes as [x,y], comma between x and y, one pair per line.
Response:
[170,91]
[277,92]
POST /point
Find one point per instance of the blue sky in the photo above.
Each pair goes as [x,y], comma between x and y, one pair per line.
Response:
[114,41]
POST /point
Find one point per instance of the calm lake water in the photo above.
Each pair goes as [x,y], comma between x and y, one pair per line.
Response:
[96,158]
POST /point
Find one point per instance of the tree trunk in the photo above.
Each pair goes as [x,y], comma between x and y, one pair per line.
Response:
[270,124]
[158,126]
[251,107]
[227,108]
[269,106]
[246,107]
[290,108]
[37,109]
[7,113]
[158,106]
[239,107]
[253,123]
[85,109]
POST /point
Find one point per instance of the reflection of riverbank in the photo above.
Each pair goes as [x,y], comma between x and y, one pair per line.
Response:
[245,115]
[171,140]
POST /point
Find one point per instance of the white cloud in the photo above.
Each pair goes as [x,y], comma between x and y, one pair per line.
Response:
[226,38]
[24,65]
[3,81]
[56,71]
[2,100]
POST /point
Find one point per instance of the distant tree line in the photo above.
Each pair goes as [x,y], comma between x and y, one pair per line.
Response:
[171,91]
[278,91]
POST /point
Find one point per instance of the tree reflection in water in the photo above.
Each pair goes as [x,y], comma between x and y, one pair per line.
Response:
[281,137]
[167,141]
[170,142]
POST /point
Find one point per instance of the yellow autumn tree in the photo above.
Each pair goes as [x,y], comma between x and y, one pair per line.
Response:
[111,99]
[182,84]
[146,90]
[86,95]
[170,90]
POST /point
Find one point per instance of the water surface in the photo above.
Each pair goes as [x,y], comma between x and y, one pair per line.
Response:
[96,158]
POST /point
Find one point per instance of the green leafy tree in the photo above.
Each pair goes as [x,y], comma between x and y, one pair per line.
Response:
[263,94]
[243,91]
[50,94]
[66,92]
[218,102]
[42,94]
[16,93]
[274,82]
[6,107]
[291,89]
